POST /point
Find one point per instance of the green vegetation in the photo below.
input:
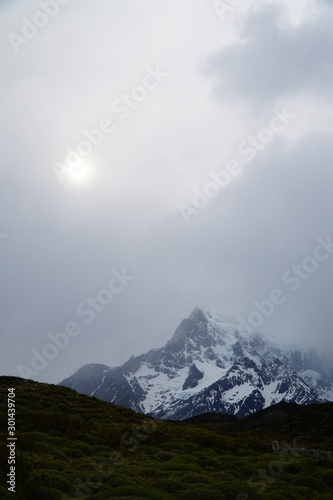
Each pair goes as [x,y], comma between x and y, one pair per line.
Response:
[72,446]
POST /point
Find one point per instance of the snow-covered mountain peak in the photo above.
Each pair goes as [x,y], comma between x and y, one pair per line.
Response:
[197,314]
[203,330]
[209,366]
[193,328]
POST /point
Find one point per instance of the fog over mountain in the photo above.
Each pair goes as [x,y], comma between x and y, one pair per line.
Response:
[158,155]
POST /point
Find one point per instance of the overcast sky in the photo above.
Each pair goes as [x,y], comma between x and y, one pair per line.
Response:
[185,92]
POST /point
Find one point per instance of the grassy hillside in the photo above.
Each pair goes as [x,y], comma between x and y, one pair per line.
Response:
[73,446]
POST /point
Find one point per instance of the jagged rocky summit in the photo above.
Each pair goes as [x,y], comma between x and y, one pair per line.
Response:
[209,366]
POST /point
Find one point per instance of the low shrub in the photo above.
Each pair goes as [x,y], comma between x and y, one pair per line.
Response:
[136,491]
[73,452]
[326,476]
[164,456]
[201,494]
[5,494]
[311,482]
[293,468]
[171,446]
[169,484]
[181,465]
[117,479]
[50,478]
[44,492]
[189,477]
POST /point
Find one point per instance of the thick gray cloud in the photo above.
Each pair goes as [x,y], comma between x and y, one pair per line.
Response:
[65,240]
[274,59]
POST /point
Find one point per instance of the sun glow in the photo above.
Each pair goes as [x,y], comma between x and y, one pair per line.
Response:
[80,174]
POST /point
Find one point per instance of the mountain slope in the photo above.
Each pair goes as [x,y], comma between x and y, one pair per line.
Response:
[71,446]
[209,366]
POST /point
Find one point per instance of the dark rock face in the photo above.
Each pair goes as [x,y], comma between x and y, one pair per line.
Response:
[193,377]
[209,367]
[86,379]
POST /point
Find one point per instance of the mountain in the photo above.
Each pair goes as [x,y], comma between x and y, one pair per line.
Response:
[208,366]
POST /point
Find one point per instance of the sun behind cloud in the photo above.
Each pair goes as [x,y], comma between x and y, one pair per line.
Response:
[81,174]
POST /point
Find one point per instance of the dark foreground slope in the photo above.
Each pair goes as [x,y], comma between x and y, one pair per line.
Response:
[73,446]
